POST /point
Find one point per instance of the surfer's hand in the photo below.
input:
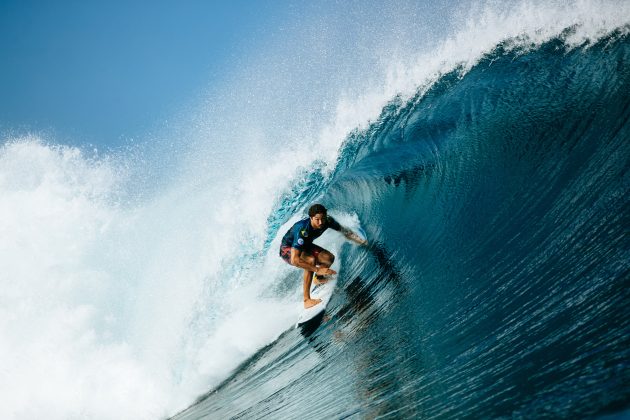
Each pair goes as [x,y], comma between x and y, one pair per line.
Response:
[325,271]
[359,240]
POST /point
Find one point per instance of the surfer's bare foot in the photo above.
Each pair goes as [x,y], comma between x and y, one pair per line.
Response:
[308,303]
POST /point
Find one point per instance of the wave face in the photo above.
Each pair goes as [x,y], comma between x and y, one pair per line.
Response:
[497,281]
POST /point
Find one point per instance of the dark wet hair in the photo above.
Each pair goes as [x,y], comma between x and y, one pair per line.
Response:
[317,209]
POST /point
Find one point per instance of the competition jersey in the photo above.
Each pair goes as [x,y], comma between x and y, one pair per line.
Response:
[302,234]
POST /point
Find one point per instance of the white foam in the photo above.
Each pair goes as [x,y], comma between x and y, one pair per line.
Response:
[100,303]
[58,357]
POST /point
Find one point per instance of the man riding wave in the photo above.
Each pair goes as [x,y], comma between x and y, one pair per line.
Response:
[297,248]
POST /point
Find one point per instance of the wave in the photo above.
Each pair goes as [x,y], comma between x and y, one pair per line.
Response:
[496,283]
[490,172]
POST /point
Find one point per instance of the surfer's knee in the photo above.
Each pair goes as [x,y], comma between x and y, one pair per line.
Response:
[309,259]
[326,258]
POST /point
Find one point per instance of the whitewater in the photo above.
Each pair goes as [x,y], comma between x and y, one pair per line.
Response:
[489,167]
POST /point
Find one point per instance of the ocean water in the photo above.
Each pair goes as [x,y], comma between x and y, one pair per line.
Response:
[491,176]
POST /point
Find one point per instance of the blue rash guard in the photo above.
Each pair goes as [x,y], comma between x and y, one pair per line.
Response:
[302,234]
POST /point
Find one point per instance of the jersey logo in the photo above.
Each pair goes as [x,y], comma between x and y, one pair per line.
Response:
[300,241]
[304,233]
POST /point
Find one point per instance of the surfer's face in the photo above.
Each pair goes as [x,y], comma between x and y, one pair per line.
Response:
[317,221]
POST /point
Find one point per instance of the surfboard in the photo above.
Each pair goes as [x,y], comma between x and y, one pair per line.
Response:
[323,292]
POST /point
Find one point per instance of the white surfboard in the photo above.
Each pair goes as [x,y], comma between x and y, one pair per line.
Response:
[323,292]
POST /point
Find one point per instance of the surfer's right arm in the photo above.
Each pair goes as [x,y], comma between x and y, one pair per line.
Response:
[299,262]
[348,233]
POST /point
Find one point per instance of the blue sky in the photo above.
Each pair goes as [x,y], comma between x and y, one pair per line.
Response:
[102,72]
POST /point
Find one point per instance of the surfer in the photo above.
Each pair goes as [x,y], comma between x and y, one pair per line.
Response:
[297,248]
